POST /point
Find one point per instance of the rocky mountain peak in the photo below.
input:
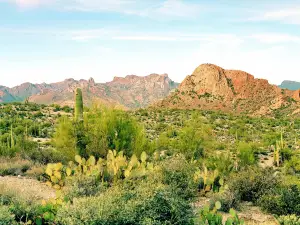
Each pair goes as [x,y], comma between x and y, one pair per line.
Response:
[214,88]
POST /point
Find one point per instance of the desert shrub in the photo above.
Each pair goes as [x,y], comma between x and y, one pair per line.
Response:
[194,138]
[252,183]
[64,139]
[228,200]
[103,129]
[83,186]
[25,205]
[223,163]
[6,217]
[178,174]
[36,172]
[289,220]
[293,165]
[114,129]
[146,203]
[20,205]
[45,155]
[245,154]
[282,201]
[14,166]
[286,154]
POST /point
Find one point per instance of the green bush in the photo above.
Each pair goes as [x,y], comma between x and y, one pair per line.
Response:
[245,154]
[282,201]
[228,200]
[6,217]
[146,203]
[178,174]
[104,129]
[252,183]
[293,165]
[289,220]
[223,163]
[83,186]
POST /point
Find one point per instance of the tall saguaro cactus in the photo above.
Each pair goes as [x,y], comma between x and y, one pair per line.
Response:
[78,105]
[79,125]
[12,140]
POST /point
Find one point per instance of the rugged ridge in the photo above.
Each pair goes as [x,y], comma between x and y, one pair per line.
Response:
[130,92]
[214,88]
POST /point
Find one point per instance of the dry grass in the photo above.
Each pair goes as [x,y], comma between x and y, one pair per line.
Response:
[27,190]
[14,166]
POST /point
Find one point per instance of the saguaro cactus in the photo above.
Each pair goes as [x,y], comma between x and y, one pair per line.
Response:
[79,126]
[12,140]
[78,105]
[277,154]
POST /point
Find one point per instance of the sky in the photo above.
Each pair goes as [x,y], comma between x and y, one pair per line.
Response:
[51,40]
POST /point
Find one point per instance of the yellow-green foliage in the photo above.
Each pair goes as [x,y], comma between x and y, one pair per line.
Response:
[55,174]
[208,180]
[116,166]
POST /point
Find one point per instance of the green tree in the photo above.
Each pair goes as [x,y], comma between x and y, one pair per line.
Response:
[64,138]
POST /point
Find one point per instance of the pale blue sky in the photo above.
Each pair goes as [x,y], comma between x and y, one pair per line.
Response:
[50,40]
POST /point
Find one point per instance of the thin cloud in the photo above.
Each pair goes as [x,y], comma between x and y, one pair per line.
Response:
[152,9]
[25,4]
[179,8]
[286,15]
[274,38]
[144,38]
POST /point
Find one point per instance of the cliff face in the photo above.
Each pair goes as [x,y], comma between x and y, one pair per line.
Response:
[214,88]
[130,92]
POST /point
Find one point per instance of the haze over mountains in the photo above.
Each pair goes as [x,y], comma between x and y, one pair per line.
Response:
[209,87]
[290,85]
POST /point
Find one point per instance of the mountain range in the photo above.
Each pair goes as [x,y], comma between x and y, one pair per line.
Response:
[290,85]
[130,92]
[208,87]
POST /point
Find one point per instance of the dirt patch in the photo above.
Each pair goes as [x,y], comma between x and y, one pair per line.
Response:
[26,187]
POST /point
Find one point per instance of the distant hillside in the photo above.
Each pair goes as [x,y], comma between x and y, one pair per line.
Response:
[131,91]
[290,85]
[214,88]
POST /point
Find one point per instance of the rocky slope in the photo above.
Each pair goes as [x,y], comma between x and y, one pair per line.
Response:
[131,91]
[290,85]
[214,88]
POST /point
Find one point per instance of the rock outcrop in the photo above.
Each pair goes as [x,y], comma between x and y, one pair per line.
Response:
[211,87]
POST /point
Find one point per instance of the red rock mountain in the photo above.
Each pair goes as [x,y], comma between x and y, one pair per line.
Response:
[214,88]
[131,91]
